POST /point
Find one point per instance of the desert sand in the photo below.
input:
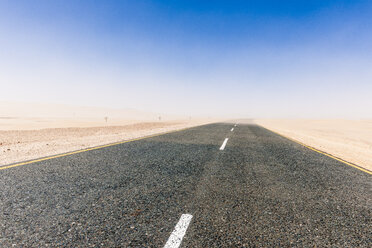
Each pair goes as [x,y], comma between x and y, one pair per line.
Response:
[32,116]
[37,123]
[350,140]
[22,145]
[33,130]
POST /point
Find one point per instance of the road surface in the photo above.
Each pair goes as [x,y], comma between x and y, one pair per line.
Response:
[217,185]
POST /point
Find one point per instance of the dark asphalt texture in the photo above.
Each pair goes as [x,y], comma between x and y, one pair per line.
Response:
[261,191]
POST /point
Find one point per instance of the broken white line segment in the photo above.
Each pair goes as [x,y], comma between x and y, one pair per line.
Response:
[224,144]
[232,129]
[179,231]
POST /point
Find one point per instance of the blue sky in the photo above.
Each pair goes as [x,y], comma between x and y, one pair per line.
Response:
[279,59]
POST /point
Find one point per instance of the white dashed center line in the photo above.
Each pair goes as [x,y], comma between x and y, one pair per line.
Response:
[179,231]
[224,144]
[232,129]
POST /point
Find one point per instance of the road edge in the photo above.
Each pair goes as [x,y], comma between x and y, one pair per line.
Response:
[319,151]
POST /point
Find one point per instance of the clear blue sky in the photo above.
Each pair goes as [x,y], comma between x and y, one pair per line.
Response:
[231,58]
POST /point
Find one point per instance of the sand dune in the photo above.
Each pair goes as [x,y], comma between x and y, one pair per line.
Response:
[350,140]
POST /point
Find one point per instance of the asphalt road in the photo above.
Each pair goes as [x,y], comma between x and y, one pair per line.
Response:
[261,190]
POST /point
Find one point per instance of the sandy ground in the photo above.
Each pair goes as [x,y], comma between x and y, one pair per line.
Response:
[31,116]
[22,144]
[350,140]
[37,123]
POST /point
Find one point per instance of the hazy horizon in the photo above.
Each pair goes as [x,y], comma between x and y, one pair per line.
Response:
[253,59]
